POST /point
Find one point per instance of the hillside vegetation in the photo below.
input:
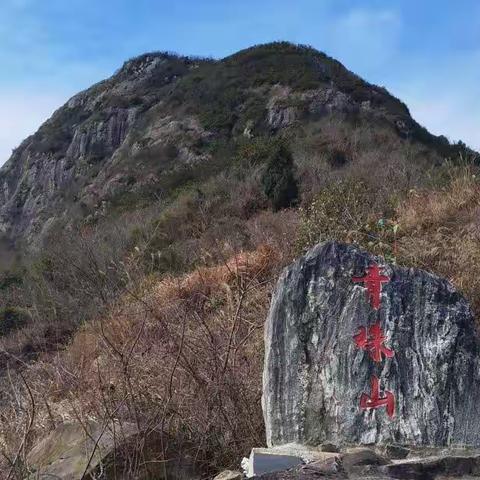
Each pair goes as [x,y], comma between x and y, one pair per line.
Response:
[142,277]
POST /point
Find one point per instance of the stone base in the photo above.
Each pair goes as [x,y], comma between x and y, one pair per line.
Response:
[281,458]
[296,462]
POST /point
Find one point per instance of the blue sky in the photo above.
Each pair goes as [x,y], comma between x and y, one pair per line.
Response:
[425,52]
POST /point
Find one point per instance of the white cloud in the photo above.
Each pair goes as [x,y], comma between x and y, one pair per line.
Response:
[21,115]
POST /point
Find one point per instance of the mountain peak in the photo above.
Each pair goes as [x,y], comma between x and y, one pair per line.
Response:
[163,113]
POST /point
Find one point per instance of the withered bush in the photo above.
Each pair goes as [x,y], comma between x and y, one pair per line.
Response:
[181,356]
[439,231]
[339,212]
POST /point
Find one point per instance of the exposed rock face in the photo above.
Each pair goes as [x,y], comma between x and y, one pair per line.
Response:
[314,374]
[95,147]
[66,452]
[73,451]
[328,100]
[286,107]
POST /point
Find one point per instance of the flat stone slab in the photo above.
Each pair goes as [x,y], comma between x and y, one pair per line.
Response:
[73,452]
[264,461]
[68,452]
[284,457]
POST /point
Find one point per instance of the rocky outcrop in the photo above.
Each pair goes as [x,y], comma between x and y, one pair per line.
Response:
[329,100]
[286,107]
[282,108]
[72,450]
[86,146]
[315,374]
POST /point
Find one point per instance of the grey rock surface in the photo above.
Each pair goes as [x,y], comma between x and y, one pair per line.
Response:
[396,451]
[356,457]
[329,447]
[229,475]
[366,464]
[75,451]
[314,374]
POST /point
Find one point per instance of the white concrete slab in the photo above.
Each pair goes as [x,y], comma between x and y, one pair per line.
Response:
[265,461]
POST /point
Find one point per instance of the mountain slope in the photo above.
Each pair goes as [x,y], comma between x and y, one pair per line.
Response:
[162,121]
[148,204]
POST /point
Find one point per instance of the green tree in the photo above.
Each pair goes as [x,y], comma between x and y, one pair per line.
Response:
[278,180]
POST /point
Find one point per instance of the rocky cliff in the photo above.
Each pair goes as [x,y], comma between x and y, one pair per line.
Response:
[323,352]
[148,129]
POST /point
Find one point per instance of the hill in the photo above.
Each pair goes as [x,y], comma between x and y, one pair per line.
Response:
[165,122]
[147,220]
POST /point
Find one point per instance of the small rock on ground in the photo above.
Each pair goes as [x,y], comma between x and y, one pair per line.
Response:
[229,475]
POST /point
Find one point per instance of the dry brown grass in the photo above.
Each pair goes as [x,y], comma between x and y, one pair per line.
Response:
[184,354]
[438,227]
[181,355]
[440,232]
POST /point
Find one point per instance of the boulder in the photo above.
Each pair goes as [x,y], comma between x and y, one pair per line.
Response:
[229,475]
[75,451]
[329,466]
[315,374]
[434,467]
[396,451]
[329,447]
[356,457]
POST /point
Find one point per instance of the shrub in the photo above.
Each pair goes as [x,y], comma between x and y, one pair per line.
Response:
[278,180]
[337,158]
[339,212]
[9,279]
[11,319]
[256,151]
[439,232]
[348,212]
[201,332]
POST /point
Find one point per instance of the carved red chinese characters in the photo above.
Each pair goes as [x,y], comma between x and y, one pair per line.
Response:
[373,342]
[376,401]
[373,280]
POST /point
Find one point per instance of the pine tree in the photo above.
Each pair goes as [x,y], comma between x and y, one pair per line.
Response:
[278,180]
